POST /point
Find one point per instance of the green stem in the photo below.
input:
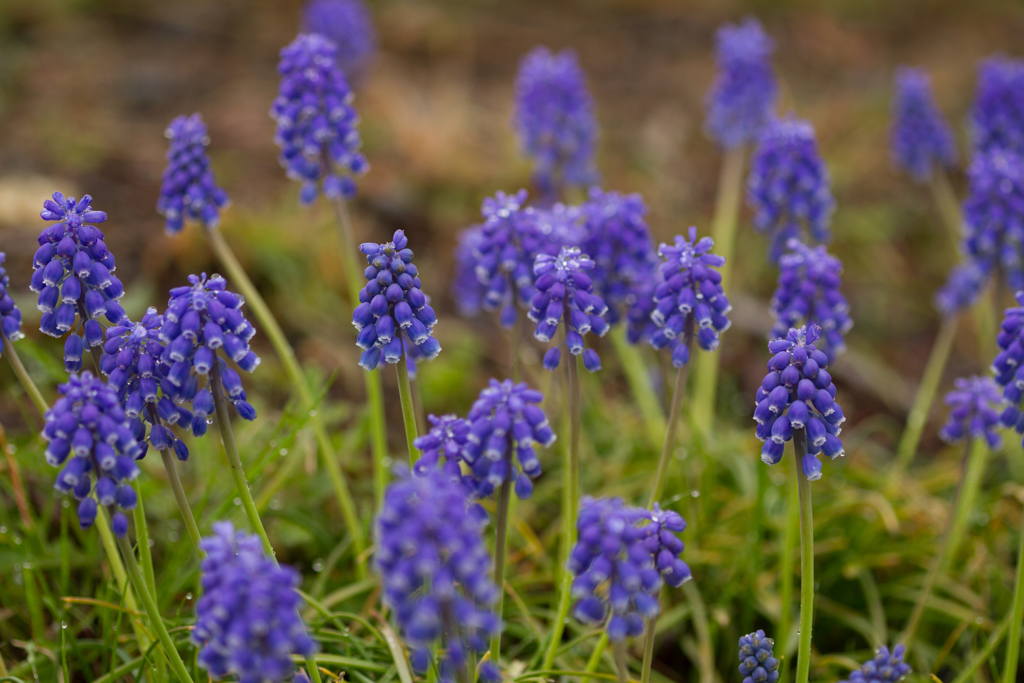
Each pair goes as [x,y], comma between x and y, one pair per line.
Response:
[926,392]
[237,470]
[983,655]
[727,205]
[803,664]
[417,406]
[620,661]
[142,536]
[182,499]
[1016,616]
[645,672]
[500,541]
[674,417]
[786,573]
[700,625]
[972,474]
[639,380]
[287,356]
[595,656]
[149,603]
[26,382]
[946,202]
[408,412]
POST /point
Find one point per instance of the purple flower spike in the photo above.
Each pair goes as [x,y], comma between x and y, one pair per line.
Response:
[436,570]
[91,440]
[742,98]
[505,424]
[554,117]
[10,315]
[392,306]
[447,438]
[789,186]
[565,297]
[247,622]
[974,411]
[316,122]
[965,284]
[664,546]
[798,393]
[189,190]
[884,668]
[349,25]
[1008,366]
[808,292]
[467,291]
[994,214]
[997,118]
[73,274]
[757,661]
[689,299]
[921,140]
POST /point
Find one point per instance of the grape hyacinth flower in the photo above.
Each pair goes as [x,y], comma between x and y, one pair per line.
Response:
[189,190]
[884,668]
[447,438]
[565,295]
[997,118]
[436,571]
[505,421]
[554,118]
[467,291]
[73,275]
[974,413]
[1008,366]
[247,623]
[742,98]
[920,139]
[392,305]
[690,294]
[349,25]
[798,393]
[10,315]
[200,320]
[757,662]
[962,288]
[808,292]
[90,435]
[994,214]
[789,185]
[664,546]
[316,122]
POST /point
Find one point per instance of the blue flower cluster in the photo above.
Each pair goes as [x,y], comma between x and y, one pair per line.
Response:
[201,319]
[10,315]
[316,122]
[920,138]
[1008,366]
[617,548]
[189,190]
[72,272]
[690,293]
[962,288]
[994,214]
[997,117]
[798,393]
[974,413]
[90,435]
[347,24]
[392,305]
[436,571]
[247,623]
[447,438]
[742,98]
[808,292]
[466,289]
[884,668]
[554,117]
[757,661]
[789,185]
[565,295]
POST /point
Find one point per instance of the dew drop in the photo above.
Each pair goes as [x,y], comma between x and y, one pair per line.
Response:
[152,543]
[312,413]
[188,596]
[386,462]
[3,530]
[283,452]
[65,503]
[318,565]
[209,420]
[276,503]
[63,624]
[238,502]
[17,540]
[979,621]
[12,449]
[27,565]
[695,493]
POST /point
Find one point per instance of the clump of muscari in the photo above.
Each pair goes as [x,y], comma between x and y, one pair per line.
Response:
[789,186]
[994,214]
[316,122]
[72,272]
[201,319]
[447,438]
[554,117]
[247,621]
[997,117]
[742,98]
[973,411]
[349,25]
[808,292]
[505,423]
[920,139]
[690,294]
[436,572]
[392,306]
[798,393]
[963,286]
[90,435]
[189,190]
[664,546]
[757,661]
[1008,366]
[565,295]
[886,667]
[10,315]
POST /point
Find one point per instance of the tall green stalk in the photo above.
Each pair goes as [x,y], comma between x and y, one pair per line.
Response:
[181,499]
[786,565]
[23,377]
[142,536]
[803,663]
[500,543]
[621,672]
[947,204]
[727,206]
[408,411]
[674,416]
[1016,616]
[286,354]
[644,395]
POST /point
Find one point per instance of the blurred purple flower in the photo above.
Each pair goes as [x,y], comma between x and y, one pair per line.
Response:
[994,214]
[973,411]
[997,118]
[349,25]
[920,137]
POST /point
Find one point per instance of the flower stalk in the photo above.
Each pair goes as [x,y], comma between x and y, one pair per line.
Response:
[408,410]
[806,560]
